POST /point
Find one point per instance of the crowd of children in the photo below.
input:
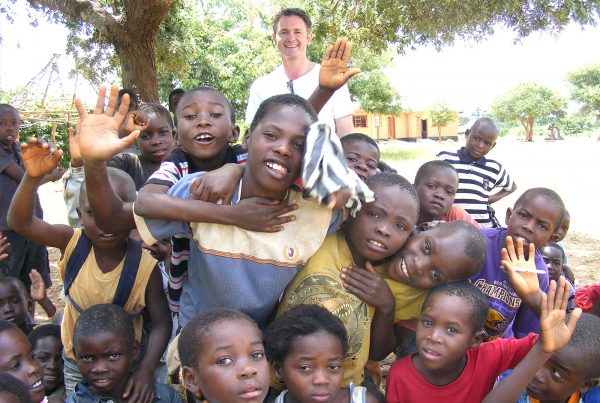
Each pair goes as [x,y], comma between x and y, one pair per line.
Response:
[193,256]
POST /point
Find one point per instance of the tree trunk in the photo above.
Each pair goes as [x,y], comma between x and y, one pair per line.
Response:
[137,57]
[530,121]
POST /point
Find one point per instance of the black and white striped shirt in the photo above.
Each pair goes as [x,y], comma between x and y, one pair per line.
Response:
[477,179]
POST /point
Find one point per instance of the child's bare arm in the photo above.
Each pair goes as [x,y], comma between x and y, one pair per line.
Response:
[39,159]
[555,334]
[219,184]
[372,289]
[140,387]
[334,72]
[501,194]
[38,294]
[522,273]
[254,214]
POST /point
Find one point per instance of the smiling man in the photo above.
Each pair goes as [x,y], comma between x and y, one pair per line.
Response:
[297,74]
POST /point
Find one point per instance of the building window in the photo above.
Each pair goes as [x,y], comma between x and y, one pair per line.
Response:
[359,121]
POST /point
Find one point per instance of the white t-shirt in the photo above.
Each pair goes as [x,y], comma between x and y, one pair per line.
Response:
[276,82]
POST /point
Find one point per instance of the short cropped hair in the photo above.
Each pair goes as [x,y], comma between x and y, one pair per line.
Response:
[429,165]
[42,331]
[8,108]
[118,179]
[555,246]
[133,98]
[11,385]
[475,245]
[388,179]
[587,343]
[291,100]
[193,335]
[483,122]
[383,167]
[289,12]
[209,89]
[301,320]
[176,91]
[472,297]
[348,138]
[153,108]
[104,318]
[549,195]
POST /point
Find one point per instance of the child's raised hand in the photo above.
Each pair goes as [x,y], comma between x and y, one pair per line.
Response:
[521,272]
[367,285]
[334,66]
[39,158]
[74,147]
[38,288]
[555,333]
[98,132]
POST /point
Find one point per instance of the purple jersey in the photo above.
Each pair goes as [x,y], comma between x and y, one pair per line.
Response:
[508,316]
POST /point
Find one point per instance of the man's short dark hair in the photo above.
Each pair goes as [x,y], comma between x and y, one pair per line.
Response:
[105,318]
[483,122]
[194,333]
[389,179]
[133,98]
[8,108]
[153,108]
[472,297]
[11,385]
[119,180]
[428,166]
[42,331]
[550,196]
[475,245]
[289,12]
[301,320]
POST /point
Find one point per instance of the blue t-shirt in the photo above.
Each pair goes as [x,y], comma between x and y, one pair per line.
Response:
[507,316]
[234,268]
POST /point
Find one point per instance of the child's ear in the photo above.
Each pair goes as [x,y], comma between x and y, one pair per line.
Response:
[234,135]
[477,339]
[135,350]
[246,140]
[276,367]
[508,214]
[191,383]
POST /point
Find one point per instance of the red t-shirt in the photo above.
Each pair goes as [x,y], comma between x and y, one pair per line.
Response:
[458,214]
[484,365]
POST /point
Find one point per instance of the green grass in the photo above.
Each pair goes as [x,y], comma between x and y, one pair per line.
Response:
[396,154]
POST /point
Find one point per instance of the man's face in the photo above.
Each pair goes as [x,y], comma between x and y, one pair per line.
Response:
[292,37]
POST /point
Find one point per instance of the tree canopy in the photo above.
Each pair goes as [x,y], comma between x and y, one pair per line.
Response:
[527,103]
[585,84]
[441,114]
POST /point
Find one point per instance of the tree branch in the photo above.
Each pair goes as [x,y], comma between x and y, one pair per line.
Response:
[82,10]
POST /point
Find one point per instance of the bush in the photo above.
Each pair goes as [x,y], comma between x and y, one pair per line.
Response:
[576,124]
[43,131]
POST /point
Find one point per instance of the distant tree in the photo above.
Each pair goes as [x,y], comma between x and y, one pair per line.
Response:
[527,103]
[441,115]
[586,88]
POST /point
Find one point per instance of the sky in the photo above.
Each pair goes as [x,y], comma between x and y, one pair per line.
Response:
[467,75]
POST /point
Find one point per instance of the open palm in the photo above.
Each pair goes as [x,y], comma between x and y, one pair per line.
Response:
[334,66]
[99,132]
[39,158]
[555,332]
[515,263]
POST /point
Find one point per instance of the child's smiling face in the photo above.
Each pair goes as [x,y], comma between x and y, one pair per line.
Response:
[48,353]
[204,127]
[15,360]
[431,258]
[381,228]
[275,150]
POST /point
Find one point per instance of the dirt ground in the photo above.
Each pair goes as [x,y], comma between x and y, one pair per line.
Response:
[566,166]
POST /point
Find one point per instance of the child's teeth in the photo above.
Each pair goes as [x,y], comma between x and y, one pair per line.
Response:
[276,167]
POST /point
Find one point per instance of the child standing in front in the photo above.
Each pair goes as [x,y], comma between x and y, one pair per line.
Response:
[306,347]
[25,254]
[223,358]
[112,265]
[106,349]
[449,358]
[478,175]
